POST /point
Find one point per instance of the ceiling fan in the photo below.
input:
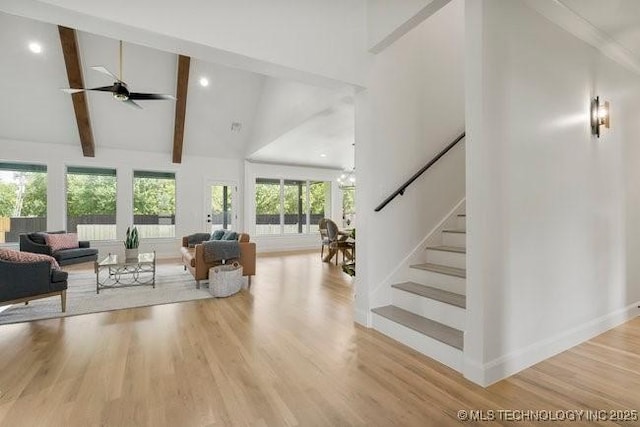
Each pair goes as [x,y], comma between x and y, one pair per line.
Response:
[119,89]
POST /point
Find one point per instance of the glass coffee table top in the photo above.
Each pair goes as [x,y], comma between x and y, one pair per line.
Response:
[117,272]
[115,260]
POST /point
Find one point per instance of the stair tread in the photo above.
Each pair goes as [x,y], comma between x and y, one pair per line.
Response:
[456,249]
[455,230]
[428,327]
[442,269]
[441,295]
[464,214]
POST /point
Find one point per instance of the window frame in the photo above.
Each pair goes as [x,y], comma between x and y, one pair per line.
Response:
[154,173]
[307,186]
[22,166]
[66,194]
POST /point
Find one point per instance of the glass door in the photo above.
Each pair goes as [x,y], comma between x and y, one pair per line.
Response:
[220,205]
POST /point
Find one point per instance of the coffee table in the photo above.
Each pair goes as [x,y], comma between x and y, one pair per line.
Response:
[120,272]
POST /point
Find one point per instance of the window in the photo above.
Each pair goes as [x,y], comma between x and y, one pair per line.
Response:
[295,207]
[267,206]
[290,206]
[320,201]
[91,203]
[349,206]
[154,203]
[23,200]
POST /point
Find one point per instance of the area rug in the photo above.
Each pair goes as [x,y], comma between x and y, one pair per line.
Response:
[173,284]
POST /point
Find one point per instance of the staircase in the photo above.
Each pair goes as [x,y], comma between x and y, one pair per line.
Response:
[428,310]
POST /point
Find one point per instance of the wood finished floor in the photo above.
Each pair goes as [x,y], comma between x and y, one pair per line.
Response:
[287,353]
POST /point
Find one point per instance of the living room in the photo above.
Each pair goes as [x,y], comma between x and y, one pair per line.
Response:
[240,128]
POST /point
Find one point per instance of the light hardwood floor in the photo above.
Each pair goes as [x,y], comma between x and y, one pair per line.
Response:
[286,353]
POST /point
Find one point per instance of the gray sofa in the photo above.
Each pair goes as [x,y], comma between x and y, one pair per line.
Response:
[35,243]
[22,282]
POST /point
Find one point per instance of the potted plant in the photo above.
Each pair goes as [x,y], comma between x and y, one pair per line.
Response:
[131,243]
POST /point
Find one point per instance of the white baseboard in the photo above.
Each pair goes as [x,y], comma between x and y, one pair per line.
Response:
[362,317]
[518,360]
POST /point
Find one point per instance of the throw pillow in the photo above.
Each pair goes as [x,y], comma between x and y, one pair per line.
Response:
[218,235]
[62,241]
[27,257]
[230,235]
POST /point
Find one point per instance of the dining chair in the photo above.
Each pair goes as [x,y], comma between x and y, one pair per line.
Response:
[322,227]
[335,241]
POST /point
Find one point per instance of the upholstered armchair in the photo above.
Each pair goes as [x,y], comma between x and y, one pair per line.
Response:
[25,281]
[193,257]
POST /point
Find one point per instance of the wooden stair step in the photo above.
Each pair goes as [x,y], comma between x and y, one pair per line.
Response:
[456,249]
[436,294]
[442,269]
[443,333]
[462,215]
[455,230]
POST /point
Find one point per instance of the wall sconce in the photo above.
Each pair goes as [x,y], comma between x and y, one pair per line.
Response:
[599,115]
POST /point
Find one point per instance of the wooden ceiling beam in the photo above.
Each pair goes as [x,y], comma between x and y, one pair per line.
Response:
[181,106]
[71,54]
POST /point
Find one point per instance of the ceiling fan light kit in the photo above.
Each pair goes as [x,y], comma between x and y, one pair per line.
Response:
[119,89]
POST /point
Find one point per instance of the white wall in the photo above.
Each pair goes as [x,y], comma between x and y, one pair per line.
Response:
[320,38]
[413,108]
[388,20]
[285,105]
[550,235]
[191,176]
[289,242]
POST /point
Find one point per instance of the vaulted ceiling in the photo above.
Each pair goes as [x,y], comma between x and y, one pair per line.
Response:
[34,108]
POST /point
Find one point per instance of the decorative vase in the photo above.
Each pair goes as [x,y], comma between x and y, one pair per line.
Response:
[131,253]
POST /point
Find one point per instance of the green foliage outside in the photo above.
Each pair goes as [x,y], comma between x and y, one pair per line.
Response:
[268,197]
[91,195]
[34,203]
[7,198]
[154,196]
[88,195]
[348,200]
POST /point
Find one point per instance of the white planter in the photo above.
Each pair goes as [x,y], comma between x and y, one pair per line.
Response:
[131,253]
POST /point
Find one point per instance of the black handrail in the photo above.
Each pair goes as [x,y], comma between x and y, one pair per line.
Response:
[400,191]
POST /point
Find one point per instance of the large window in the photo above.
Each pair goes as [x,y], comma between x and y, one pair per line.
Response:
[23,200]
[295,207]
[268,206]
[319,200]
[290,206]
[349,206]
[91,203]
[154,203]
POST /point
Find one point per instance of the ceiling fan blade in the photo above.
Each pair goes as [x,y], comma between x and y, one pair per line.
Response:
[133,104]
[148,96]
[111,88]
[103,70]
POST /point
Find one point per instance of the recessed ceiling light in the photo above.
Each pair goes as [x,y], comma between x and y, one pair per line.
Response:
[323,155]
[204,82]
[35,47]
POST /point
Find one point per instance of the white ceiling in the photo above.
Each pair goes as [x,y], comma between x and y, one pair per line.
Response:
[40,112]
[32,107]
[620,19]
[325,139]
